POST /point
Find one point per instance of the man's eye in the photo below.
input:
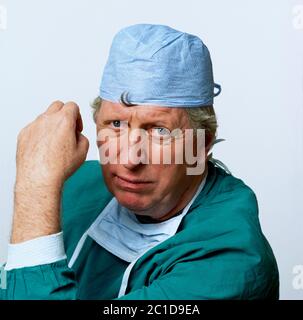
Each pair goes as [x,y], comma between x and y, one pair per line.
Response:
[118,124]
[160,132]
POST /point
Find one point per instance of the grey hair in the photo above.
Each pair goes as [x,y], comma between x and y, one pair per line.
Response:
[203,118]
[96,105]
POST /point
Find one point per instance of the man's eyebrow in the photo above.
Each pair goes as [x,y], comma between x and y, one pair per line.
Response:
[150,117]
[159,120]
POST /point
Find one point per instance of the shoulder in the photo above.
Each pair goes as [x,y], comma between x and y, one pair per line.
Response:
[84,196]
[227,205]
[227,192]
[225,221]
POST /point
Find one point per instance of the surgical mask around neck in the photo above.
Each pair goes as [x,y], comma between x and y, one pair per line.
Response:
[118,230]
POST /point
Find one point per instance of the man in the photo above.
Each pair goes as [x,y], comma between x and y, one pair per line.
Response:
[154,223]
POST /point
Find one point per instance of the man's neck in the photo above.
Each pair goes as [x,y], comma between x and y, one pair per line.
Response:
[148,219]
[186,197]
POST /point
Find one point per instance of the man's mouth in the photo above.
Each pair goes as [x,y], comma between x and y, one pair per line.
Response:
[132,184]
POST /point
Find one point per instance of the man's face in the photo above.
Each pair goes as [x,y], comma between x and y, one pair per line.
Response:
[144,187]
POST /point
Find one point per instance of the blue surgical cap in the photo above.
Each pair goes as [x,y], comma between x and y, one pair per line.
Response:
[156,65]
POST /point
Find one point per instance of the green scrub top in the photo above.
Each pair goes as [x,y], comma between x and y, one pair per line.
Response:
[218,252]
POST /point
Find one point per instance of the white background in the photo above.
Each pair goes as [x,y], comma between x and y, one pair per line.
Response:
[55,49]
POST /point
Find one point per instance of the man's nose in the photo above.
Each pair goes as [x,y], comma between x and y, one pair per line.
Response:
[135,152]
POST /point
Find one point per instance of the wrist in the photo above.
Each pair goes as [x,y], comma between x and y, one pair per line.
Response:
[38,185]
[36,211]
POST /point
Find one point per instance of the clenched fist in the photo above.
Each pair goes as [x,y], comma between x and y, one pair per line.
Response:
[52,147]
[49,150]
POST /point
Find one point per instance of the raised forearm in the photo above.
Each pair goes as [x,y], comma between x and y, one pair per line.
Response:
[36,211]
[49,150]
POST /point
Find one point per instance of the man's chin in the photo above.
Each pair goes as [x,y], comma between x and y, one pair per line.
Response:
[132,201]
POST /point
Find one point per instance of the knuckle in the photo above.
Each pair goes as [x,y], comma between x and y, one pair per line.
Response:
[57,103]
[70,106]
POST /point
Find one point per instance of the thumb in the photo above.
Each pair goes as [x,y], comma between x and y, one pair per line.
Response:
[82,146]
